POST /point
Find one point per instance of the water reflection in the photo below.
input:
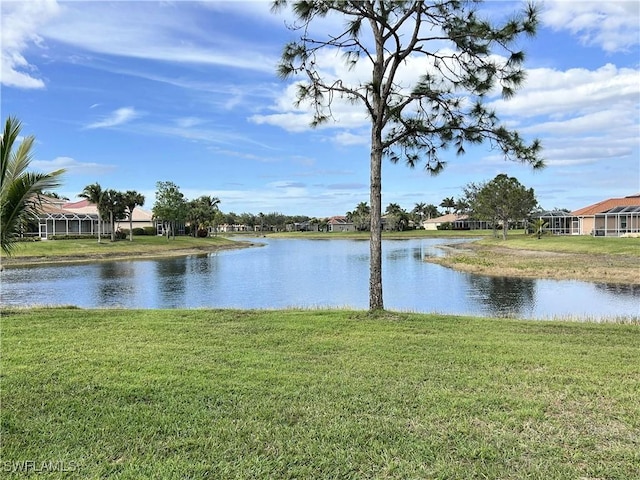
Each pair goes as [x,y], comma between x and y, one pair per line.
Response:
[504,296]
[116,282]
[201,266]
[171,278]
[619,289]
[310,273]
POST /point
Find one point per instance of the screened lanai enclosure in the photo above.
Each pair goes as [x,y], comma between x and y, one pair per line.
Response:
[559,222]
[70,224]
[617,221]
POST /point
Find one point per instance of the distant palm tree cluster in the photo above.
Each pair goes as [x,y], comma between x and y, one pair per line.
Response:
[113,205]
[395,217]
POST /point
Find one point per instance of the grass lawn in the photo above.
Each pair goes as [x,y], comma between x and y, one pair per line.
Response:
[594,259]
[584,244]
[90,249]
[315,394]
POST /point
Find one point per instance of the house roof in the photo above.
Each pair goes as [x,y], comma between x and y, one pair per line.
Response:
[338,220]
[449,217]
[53,206]
[606,205]
[80,204]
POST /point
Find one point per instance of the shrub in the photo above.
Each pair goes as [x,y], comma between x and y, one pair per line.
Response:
[150,230]
[28,239]
[203,232]
[445,226]
[73,237]
[139,231]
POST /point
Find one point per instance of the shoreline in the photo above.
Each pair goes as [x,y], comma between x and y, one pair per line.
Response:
[470,257]
[502,261]
[17,262]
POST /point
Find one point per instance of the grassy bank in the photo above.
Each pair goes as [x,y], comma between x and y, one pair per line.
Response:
[385,234]
[597,259]
[315,394]
[51,251]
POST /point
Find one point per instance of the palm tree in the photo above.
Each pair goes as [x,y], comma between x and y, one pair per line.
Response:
[201,213]
[419,210]
[397,216]
[94,193]
[361,216]
[431,211]
[20,190]
[112,203]
[448,203]
[539,224]
[461,206]
[131,200]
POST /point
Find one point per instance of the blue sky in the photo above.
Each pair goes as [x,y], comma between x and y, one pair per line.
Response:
[130,93]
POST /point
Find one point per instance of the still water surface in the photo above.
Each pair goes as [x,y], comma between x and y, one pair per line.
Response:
[312,273]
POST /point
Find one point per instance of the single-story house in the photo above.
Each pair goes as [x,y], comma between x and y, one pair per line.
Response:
[303,227]
[228,228]
[612,217]
[60,217]
[340,224]
[458,222]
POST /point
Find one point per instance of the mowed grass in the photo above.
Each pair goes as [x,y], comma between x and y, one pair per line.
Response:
[568,244]
[90,248]
[594,259]
[168,394]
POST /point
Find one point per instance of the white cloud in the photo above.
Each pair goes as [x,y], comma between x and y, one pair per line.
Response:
[117,117]
[20,21]
[138,30]
[72,166]
[610,25]
[560,93]
[582,116]
[292,122]
[348,139]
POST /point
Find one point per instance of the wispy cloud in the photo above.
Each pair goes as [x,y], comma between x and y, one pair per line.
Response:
[72,166]
[136,31]
[20,21]
[117,117]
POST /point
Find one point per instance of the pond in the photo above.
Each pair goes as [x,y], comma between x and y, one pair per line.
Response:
[312,274]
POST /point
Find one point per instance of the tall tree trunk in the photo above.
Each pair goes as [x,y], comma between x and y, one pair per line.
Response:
[99,222]
[131,226]
[375,243]
[505,227]
[113,233]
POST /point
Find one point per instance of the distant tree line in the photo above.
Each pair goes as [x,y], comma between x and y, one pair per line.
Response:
[501,202]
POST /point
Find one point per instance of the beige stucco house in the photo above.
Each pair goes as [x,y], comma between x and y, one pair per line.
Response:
[340,224]
[611,217]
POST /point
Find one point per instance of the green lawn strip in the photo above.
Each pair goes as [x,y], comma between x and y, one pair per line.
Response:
[569,244]
[317,394]
[91,248]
